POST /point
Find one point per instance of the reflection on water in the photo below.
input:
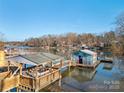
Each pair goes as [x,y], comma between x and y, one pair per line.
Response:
[108,66]
[106,77]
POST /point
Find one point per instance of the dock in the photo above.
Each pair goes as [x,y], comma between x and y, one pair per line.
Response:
[27,83]
[24,80]
[88,65]
[106,61]
[45,68]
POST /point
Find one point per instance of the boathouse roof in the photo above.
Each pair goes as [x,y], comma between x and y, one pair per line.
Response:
[88,52]
[35,59]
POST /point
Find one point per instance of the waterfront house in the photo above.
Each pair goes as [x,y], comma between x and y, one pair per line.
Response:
[16,50]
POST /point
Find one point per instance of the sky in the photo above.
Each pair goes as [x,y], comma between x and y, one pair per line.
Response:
[21,19]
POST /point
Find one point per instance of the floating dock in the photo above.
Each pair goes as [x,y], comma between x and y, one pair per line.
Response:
[88,65]
[107,61]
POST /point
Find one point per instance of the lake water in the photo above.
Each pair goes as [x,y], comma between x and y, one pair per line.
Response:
[106,77]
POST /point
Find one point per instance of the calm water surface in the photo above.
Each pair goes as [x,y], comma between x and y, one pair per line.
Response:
[106,77]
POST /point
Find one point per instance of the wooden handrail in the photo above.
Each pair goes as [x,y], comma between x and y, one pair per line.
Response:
[15,72]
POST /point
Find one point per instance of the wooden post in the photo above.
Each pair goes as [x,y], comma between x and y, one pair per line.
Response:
[61,63]
[51,64]
[36,80]
[36,84]
[50,70]
[60,78]
[36,71]
[17,89]
[69,64]
[8,65]
[20,65]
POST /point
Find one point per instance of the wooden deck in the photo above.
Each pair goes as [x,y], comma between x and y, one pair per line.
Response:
[106,61]
[31,84]
[12,75]
[67,64]
[27,83]
[24,82]
[88,65]
[35,84]
[63,65]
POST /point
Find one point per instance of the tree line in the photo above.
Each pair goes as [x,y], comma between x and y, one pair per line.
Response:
[114,40]
[66,43]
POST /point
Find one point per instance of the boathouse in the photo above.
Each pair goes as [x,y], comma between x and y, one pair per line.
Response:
[85,56]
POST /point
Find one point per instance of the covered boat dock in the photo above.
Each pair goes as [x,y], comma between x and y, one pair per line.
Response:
[33,72]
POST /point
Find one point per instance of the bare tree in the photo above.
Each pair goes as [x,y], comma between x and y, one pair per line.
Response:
[1,41]
[120,31]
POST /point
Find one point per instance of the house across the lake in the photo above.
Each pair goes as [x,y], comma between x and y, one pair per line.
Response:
[16,50]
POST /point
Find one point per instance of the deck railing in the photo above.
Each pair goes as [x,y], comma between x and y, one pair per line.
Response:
[47,79]
[27,82]
[63,64]
[9,83]
[3,75]
[39,82]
